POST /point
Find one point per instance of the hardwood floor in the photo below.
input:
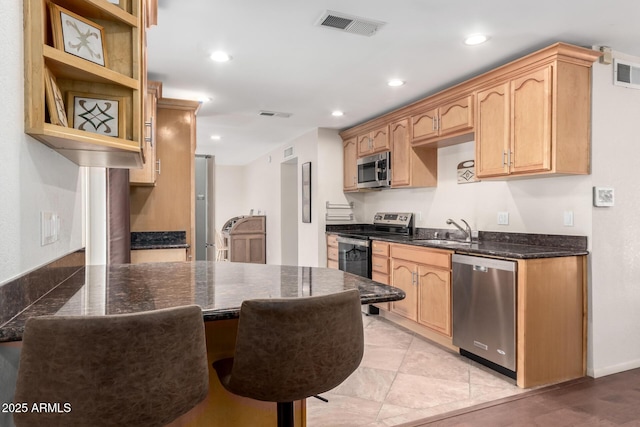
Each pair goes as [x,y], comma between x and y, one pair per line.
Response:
[613,400]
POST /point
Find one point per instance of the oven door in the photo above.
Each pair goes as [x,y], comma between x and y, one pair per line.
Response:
[354,256]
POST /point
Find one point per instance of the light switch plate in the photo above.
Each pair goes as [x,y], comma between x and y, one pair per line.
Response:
[568,218]
[49,227]
[503,218]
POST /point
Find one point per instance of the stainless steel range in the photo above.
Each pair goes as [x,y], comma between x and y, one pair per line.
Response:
[354,255]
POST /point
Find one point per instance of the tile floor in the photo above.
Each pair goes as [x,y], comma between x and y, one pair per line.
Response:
[402,378]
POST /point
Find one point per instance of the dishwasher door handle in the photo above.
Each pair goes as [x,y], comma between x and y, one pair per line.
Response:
[480,268]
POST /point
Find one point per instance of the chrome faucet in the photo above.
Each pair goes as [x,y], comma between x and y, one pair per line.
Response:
[467,232]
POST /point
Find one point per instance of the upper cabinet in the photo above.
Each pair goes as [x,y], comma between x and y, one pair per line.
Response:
[530,117]
[84,79]
[535,123]
[449,119]
[350,167]
[373,142]
[152,163]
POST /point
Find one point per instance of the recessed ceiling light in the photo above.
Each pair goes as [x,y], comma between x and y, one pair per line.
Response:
[216,137]
[395,82]
[220,56]
[475,39]
[337,113]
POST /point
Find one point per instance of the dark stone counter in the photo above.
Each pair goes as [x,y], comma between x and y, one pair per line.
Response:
[218,287]
[505,245]
[158,240]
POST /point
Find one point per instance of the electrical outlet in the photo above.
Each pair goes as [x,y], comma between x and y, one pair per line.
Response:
[419,216]
[568,218]
[49,227]
[503,218]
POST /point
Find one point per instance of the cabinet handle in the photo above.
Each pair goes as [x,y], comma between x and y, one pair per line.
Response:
[504,158]
[149,125]
[509,157]
[433,123]
[158,166]
[377,265]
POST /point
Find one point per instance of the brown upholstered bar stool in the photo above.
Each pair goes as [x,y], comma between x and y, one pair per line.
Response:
[292,348]
[142,369]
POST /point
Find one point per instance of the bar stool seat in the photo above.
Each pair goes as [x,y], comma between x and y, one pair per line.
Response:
[288,349]
[141,369]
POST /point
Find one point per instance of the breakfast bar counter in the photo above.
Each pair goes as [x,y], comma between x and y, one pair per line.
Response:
[219,289]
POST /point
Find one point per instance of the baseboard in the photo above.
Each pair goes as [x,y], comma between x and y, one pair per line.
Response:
[615,369]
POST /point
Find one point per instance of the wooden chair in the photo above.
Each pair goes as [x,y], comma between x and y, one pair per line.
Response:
[291,349]
[142,369]
[222,251]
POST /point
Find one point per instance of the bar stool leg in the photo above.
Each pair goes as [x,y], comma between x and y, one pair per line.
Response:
[285,414]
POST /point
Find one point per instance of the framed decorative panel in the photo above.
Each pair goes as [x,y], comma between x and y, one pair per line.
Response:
[77,36]
[306,192]
[55,103]
[100,114]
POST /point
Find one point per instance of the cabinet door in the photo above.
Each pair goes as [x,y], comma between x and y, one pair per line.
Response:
[364,145]
[456,116]
[248,248]
[434,299]
[380,139]
[147,175]
[531,122]
[423,126]
[400,153]
[492,131]
[350,168]
[402,276]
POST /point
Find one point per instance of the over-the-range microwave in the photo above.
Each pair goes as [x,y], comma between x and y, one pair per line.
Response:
[375,171]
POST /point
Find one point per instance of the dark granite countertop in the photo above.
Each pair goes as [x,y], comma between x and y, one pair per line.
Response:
[218,287]
[504,245]
[158,240]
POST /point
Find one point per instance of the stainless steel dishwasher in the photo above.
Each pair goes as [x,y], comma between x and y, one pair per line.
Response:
[484,311]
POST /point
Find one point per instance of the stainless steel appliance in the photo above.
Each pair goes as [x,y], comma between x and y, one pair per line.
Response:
[375,171]
[354,256]
[354,253]
[484,311]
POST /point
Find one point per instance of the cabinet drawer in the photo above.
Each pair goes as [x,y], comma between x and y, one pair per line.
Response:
[380,277]
[435,257]
[380,264]
[379,248]
[332,253]
[332,240]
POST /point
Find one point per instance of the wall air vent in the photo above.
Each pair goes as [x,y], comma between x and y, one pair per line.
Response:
[274,114]
[626,74]
[288,152]
[349,23]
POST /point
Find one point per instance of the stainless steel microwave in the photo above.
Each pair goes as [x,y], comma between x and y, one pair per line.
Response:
[375,171]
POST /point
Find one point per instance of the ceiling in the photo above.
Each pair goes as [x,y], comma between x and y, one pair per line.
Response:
[282,61]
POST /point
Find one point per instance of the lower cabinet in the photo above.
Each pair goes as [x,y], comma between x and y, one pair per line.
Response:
[332,251]
[158,255]
[424,274]
[380,266]
[248,248]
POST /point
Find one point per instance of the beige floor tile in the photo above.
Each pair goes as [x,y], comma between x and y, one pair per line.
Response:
[414,391]
[384,358]
[367,383]
[341,411]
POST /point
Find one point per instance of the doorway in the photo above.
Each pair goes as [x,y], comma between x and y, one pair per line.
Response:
[289,212]
[205,208]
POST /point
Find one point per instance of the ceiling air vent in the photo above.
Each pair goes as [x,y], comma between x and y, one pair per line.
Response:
[349,23]
[274,114]
[288,152]
[626,74]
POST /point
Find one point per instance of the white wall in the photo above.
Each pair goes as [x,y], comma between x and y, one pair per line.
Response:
[534,205]
[33,178]
[230,193]
[615,262]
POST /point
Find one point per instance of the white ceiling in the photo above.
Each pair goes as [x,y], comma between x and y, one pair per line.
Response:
[283,62]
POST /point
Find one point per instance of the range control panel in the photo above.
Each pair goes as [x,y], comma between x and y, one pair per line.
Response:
[401,219]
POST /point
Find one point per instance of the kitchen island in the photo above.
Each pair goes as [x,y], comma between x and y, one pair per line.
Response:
[219,289]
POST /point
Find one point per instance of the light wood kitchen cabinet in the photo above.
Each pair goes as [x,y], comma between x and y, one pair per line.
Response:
[158,255]
[426,273]
[373,142]
[409,167]
[434,296]
[170,205]
[332,251]
[380,266]
[350,166]
[535,123]
[152,164]
[446,120]
[120,78]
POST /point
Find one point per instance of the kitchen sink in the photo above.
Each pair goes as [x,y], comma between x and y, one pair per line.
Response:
[439,241]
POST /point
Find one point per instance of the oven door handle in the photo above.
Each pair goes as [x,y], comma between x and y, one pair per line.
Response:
[356,242]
